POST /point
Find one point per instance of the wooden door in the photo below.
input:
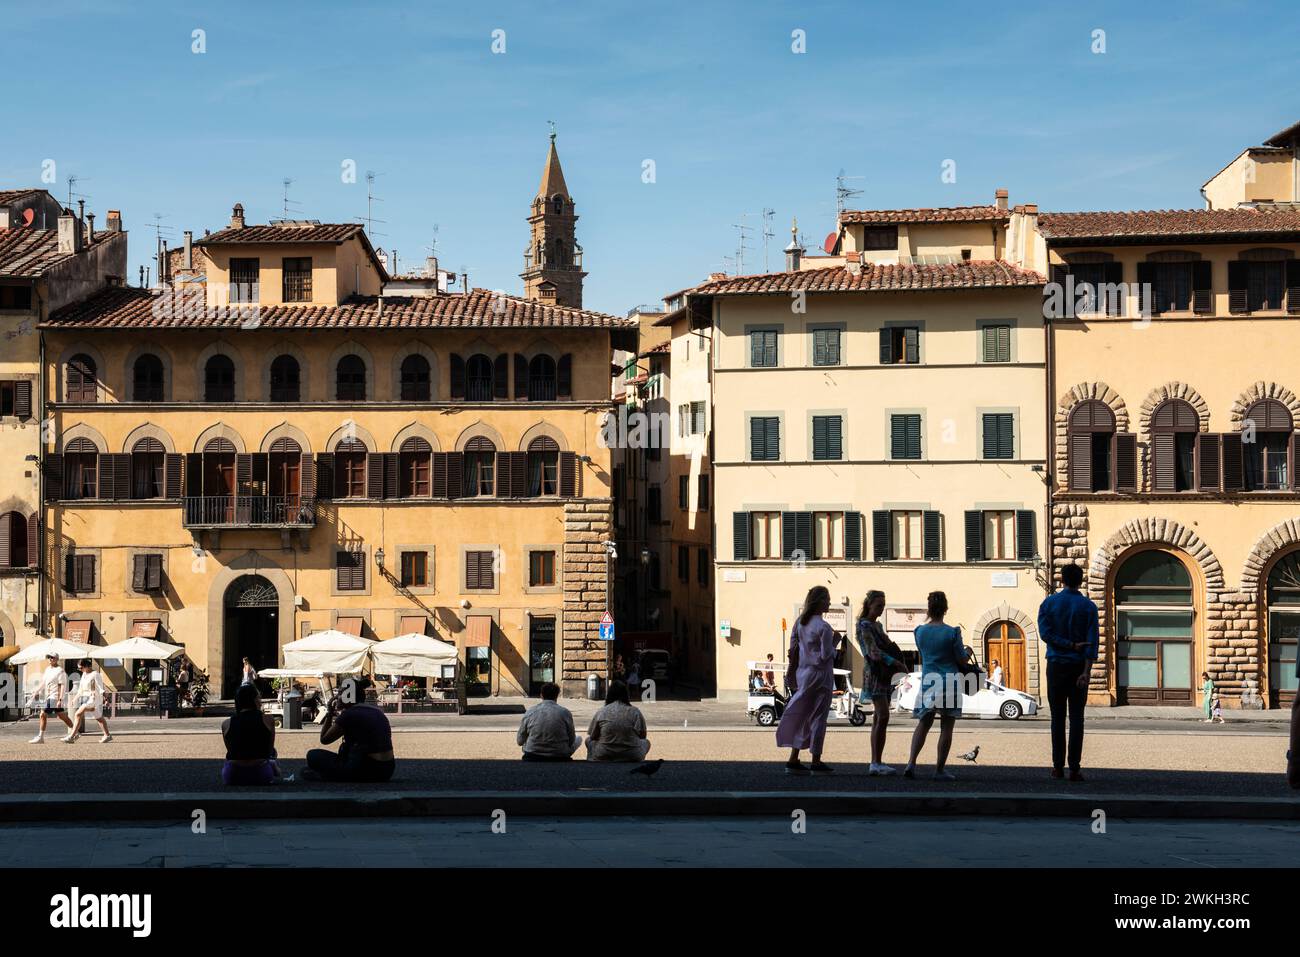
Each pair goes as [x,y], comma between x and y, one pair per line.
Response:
[1006,642]
[219,487]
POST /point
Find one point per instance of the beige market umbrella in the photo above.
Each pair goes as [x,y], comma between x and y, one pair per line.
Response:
[66,650]
[136,649]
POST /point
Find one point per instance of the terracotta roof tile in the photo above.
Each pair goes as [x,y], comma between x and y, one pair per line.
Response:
[132,308]
[27,253]
[938,214]
[1164,224]
[874,278]
[283,233]
[8,196]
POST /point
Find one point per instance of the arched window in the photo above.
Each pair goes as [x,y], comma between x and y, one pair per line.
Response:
[543,466]
[82,378]
[350,469]
[541,379]
[219,379]
[14,528]
[415,459]
[1174,426]
[286,379]
[559,253]
[558,202]
[1266,460]
[480,468]
[1283,593]
[415,379]
[80,469]
[478,378]
[147,379]
[1091,447]
[147,469]
[351,379]
[1154,607]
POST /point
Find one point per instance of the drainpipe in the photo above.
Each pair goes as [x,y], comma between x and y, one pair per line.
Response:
[1049,359]
[41,537]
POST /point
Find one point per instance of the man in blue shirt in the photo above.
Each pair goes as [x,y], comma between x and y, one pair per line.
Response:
[1067,623]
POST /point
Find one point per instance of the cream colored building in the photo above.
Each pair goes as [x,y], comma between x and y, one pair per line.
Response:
[880,424]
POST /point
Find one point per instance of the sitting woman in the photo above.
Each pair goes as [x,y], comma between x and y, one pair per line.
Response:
[617,731]
[250,742]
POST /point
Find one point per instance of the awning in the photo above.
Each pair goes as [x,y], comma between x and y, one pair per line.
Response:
[478,631]
[350,626]
[145,628]
[78,631]
[413,625]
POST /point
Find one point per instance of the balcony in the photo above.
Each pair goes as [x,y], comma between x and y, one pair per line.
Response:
[249,511]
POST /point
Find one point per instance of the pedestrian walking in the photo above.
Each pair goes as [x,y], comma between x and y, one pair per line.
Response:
[89,701]
[995,677]
[1207,696]
[942,653]
[1218,710]
[1067,623]
[884,660]
[250,674]
[810,676]
[51,697]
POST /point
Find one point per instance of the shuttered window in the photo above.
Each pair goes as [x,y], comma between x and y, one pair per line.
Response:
[1258,286]
[907,539]
[827,438]
[763,348]
[146,573]
[479,573]
[905,436]
[703,569]
[79,574]
[765,538]
[826,347]
[697,418]
[81,379]
[350,566]
[1090,437]
[1208,475]
[999,435]
[765,438]
[683,563]
[900,345]
[853,536]
[1174,425]
[828,535]
[702,496]
[684,491]
[797,536]
[996,343]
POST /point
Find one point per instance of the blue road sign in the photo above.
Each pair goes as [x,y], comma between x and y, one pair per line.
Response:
[607,631]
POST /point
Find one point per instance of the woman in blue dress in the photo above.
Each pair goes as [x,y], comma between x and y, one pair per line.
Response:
[941,651]
[810,673]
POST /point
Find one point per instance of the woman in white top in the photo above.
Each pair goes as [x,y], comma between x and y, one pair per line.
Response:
[89,700]
[996,677]
[250,673]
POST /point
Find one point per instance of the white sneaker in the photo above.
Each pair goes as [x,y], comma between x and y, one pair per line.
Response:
[881,770]
[106,738]
[69,738]
[39,739]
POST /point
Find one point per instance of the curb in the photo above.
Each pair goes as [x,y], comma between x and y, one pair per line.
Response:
[246,805]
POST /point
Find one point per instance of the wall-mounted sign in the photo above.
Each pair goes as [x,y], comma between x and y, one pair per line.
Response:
[1004,579]
[733,574]
[724,628]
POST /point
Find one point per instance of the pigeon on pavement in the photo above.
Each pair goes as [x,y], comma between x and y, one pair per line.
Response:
[649,768]
[971,755]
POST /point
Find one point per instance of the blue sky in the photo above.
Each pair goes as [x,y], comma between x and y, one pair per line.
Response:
[712,93]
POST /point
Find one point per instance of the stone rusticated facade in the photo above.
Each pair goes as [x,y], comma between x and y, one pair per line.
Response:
[1072,397]
[588,523]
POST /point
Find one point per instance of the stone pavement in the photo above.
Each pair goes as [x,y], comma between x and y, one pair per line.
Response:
[759,843]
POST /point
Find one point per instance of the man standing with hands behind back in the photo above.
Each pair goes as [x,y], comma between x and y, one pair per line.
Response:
[1067,623]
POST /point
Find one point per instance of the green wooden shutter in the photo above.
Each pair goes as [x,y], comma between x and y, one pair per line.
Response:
[974,536]
[1026,536]
[790,536]
[834,438]
[740,523]
[853,536]
[897,437]
[931,537]
[882,548]
[911,345]
[886,347]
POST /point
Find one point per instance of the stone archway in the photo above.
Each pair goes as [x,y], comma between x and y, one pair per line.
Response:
[1279,538]
[1083,392]
[1264,390]
[1005,612]
[1172,390]
[248,564]
[1154,531]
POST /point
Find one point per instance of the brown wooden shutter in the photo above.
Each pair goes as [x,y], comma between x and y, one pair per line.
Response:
[504,460]
[107,476]
[1233,479]
[243,473]
[1163,462]
[375,475]
[153,573]
[53,477]
[140,573]
[500,370]
[518,476]
[85,574]
[392,462]
[23,398]
[173,470]
[1113,275]
[1207,462]
[34,540]
[324,476]
[521,377]
[455,474]
[1080,465]
[1238,284]
[122,475]
[307,477]
[568,474]
[1293,287]
[5,539]
[438,475]
[1202,291]
[564,372]
[1126,462]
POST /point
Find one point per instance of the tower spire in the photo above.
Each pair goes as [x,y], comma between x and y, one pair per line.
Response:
[553,258]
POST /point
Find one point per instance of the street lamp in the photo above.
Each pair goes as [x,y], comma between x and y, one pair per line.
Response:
[379,556]
[645,557]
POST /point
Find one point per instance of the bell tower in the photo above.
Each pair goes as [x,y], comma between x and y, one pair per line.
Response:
[553,259]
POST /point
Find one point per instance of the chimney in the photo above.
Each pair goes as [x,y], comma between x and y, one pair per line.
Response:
[188,261]
[113,223]
[237,216]
[1000,199]
[90,229]
[4,217]
[69,233]
[853,263]
[793,252]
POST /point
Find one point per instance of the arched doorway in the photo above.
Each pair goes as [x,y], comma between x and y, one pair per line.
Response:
[1282,593]
[1005,641]
[1155,618]
[251,630]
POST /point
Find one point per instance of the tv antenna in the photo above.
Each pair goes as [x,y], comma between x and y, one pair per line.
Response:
[742,228]
[767,234]
[371,199]
[433,243]
[73,180]
[286,183]
[843,192]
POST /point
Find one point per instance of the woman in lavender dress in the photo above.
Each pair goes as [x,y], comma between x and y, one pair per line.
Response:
[810,675]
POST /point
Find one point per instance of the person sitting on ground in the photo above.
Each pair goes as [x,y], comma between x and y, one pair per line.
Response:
[89,700]
[617,731]
[366,753]
[250,742]
[546,732]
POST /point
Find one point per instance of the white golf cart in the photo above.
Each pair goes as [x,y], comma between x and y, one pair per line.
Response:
[765,704]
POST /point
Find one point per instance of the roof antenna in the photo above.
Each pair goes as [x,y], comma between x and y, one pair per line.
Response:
[767,234]
[371,199]
[843,192]
[287,182]
[741,228]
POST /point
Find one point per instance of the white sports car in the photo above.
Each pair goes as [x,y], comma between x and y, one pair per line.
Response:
[991,701]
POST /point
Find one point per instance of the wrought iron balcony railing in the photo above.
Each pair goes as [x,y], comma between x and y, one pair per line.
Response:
[249,511]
